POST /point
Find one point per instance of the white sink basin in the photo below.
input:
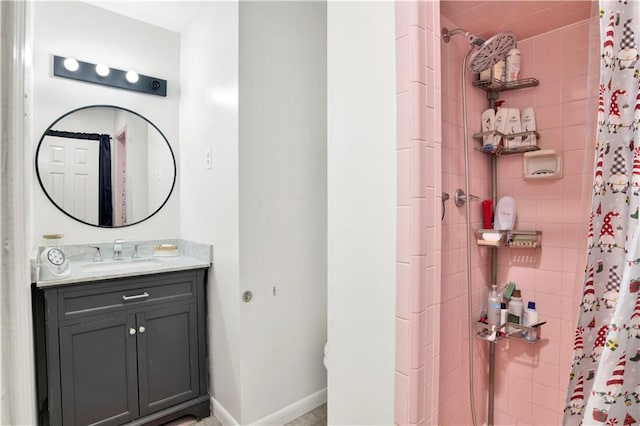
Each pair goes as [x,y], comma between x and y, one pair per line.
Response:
[123,265]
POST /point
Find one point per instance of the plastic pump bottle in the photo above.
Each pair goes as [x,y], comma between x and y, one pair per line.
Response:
[530,317]
[493,304]
[515,308]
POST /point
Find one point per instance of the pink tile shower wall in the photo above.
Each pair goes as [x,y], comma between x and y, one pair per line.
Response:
[531,380]
[431,316]
[454,405]
[418,212]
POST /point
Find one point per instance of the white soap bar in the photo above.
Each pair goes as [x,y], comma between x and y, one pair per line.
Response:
[490,236]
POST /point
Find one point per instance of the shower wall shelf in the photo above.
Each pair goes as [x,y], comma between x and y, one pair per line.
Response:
[494,85]
[501,150]
[509,330]
[492,89]
[512,238]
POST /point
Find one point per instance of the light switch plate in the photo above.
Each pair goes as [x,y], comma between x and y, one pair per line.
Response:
[207,158]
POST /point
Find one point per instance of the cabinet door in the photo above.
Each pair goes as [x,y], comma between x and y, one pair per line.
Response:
[98,371]
[167,356]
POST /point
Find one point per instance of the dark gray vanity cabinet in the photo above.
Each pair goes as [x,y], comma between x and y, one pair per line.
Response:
[129,350]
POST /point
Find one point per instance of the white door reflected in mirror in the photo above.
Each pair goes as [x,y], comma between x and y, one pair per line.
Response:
[69,169]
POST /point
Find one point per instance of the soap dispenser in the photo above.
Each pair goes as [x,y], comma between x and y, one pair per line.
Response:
[505,214]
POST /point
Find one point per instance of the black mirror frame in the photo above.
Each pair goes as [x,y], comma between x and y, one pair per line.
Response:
[173,159]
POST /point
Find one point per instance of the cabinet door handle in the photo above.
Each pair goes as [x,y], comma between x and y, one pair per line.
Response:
[141,329]
[132,331]
[137,296]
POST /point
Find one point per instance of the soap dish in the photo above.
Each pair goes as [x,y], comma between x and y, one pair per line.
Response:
[545,164]
[166,250]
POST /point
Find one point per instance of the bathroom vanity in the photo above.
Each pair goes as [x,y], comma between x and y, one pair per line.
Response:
[122,347]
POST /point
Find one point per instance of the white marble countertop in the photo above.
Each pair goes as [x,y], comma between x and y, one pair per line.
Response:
[192,256]
[96,271]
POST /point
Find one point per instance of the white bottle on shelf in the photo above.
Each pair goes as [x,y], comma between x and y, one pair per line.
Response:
[488,125]
[513,126]
[500,124]
[530,317]
[513,65]
[515,308]
[528,125]
[493,306]
[503,313]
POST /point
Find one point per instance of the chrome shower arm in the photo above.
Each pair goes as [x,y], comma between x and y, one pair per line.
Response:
[471,38]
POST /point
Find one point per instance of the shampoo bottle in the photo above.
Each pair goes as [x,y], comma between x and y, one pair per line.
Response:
[493,304]
[515,308]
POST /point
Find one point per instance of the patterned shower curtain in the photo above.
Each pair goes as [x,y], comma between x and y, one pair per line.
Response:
[604,386]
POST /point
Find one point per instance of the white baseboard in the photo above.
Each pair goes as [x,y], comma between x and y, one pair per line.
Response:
[280,417]
[295,410]
[222,415]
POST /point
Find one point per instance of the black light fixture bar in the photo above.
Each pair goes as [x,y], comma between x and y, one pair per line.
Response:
[116,78]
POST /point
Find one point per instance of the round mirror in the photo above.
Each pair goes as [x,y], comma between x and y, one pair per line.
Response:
[105,166]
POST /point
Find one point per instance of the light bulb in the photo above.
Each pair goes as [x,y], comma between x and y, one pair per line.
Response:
[102,70]
[132,76]
[71,64]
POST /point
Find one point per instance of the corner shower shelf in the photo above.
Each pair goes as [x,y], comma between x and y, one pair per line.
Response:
[509,330]
[501,150]
[494,85]
[512,238]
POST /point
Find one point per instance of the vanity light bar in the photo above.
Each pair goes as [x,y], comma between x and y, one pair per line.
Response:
[115,78]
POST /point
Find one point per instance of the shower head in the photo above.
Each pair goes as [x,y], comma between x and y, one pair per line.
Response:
[489,52]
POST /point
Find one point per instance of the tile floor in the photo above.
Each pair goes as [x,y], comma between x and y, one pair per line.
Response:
[316,417]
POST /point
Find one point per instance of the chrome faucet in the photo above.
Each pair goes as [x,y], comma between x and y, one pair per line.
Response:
[117,249]
[135,254]
[97,257]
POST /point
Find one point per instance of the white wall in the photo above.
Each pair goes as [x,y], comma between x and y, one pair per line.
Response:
[361,213]
[209,197]
[137,183]
[160,169]
[95,35]
[283,203]
[361,191]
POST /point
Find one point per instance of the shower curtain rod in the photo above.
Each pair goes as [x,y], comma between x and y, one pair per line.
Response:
[76,135]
